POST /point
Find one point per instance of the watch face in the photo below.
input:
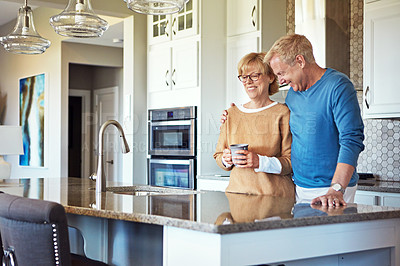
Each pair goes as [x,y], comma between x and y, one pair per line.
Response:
[336,186]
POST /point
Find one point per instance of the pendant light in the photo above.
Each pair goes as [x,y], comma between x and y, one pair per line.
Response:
[156,7]
[79,20]
[24,39]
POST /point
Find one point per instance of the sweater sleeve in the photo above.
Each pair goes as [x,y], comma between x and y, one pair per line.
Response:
[347,115]
[286,143]
[221,145]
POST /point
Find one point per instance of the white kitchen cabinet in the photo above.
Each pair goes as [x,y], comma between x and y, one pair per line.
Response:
[377,198]
[173,66]
[390,199]
[185,70]
[212,183]
[242,16]
[162,28]
[252,26]
[237,47]
[159,68]
[381,57]
[367,197]
[159,28]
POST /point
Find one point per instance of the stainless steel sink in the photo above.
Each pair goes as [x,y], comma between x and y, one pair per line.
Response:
[150,191]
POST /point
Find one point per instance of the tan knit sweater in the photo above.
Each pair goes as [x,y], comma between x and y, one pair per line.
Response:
[267,132]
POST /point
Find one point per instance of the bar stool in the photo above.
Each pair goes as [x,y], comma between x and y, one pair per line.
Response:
[35,232]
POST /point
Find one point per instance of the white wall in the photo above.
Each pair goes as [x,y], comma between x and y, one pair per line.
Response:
[135,99]
[213,85]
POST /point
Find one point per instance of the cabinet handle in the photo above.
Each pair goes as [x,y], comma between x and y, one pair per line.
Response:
[165,28]
[173,26]
[366,98]
[253,21]
[110,162]
[166,78]
[172,76]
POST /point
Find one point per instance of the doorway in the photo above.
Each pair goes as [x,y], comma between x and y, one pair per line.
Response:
[93,99]
[74,136]
[79,133]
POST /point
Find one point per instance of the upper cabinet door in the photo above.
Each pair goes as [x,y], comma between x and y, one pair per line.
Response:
[237,47]
[185,65]
[243,16]
[159,28]
[159,68]
[162,28]
[381,58]
[173,67]
[184,23]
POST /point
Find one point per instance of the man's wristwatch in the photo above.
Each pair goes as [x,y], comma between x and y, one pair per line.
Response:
[338,187]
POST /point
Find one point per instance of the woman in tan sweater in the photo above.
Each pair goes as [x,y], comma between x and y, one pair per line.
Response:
[264,125]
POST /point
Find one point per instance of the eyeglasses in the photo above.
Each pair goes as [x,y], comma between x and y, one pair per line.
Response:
[253,77]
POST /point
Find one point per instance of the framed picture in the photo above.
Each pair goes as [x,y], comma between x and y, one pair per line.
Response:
[32,117]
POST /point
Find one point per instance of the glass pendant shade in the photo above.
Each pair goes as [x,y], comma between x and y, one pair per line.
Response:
[156,7]
[79,20]
[24,39]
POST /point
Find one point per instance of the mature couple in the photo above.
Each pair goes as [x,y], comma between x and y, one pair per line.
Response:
[323,141]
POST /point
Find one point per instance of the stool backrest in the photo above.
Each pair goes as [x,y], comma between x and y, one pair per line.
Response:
[33,232]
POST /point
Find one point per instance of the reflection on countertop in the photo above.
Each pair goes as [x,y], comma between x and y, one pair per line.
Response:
[207,211]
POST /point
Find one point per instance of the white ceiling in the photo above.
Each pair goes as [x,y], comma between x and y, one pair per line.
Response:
[9,12]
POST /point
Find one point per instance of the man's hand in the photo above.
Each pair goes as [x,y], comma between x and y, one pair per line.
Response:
[250,159]
[342,176]
[224,115]
[332,198]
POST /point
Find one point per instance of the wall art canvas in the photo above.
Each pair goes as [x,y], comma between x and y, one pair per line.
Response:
[32,120]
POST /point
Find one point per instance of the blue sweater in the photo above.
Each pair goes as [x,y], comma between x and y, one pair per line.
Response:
[327,129]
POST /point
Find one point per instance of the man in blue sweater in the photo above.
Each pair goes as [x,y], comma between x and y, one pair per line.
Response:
[325,121]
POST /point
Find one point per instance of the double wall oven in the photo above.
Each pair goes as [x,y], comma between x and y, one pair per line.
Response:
[172,147]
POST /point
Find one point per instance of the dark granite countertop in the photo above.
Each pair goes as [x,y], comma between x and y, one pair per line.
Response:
[366,184]
[207,211]
[379,186]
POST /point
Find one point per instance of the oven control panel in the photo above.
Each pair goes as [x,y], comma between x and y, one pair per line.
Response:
[181,113]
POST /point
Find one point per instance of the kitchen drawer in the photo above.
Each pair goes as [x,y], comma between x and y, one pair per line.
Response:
[377,198]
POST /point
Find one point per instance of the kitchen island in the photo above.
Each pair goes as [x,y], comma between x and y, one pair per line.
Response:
[216,228]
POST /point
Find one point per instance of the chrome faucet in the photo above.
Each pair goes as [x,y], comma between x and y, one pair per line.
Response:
[99,176]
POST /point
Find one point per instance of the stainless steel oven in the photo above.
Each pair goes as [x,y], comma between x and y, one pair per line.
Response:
[170,172]
[172,132]
[172,147]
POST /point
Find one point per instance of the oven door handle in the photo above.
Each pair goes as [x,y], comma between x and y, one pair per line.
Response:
[173,123]
[166,161]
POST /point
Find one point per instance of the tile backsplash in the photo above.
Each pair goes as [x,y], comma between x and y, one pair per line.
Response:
[381,155]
